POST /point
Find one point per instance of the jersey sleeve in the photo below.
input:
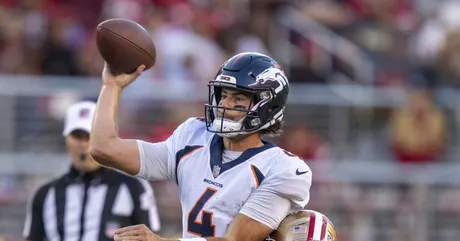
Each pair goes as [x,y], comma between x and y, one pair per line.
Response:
[283,191]
[157,160]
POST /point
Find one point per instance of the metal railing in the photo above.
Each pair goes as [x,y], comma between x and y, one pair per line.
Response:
[290,19]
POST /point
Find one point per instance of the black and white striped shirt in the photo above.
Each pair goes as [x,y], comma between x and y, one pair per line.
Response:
[89,207]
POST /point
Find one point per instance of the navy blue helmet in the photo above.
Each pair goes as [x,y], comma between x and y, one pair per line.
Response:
[255,74]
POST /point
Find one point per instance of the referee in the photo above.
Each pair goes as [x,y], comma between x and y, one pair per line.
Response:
[89,202]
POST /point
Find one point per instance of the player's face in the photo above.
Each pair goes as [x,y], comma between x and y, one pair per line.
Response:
[77,143]
[231,98]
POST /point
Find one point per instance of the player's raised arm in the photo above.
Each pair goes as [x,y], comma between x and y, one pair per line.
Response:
[119,42]
[106,147]
[155,161]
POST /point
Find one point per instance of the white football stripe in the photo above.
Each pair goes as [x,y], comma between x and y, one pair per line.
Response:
[318,226]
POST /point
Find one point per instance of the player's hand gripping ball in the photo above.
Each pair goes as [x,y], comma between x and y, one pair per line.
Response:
[125,45]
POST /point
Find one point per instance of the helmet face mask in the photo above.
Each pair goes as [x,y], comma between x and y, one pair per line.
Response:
[248,121]
[258,76]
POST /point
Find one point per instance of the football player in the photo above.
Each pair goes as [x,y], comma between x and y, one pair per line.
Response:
[306,225]
[233,186]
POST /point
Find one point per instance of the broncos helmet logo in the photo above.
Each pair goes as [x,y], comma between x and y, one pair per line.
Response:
[270,76]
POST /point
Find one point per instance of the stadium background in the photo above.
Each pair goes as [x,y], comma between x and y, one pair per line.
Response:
[373,107]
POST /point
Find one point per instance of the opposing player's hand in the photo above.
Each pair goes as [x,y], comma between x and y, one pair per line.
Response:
[120,80]
[135,233]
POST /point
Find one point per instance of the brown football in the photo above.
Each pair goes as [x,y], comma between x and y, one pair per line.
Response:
[124,45]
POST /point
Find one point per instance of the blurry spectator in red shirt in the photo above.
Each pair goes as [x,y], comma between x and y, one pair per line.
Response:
[303,142]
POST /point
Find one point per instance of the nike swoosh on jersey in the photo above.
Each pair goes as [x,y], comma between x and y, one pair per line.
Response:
[300,173]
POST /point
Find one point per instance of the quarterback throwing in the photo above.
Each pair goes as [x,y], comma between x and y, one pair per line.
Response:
[233,185]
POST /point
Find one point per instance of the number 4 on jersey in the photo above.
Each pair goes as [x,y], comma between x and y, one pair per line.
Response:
[205,228]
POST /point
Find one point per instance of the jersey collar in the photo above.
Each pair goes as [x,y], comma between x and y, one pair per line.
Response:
[217,147]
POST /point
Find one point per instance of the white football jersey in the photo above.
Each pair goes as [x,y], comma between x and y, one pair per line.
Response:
[265,183]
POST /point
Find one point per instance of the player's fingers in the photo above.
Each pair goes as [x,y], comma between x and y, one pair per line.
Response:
[130,233]
[131,238]
[140,69]
[138,238]
[128,228]
[118,238]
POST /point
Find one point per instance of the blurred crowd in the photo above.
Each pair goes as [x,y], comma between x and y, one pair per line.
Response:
[411,43]
[404,38]
[56,37]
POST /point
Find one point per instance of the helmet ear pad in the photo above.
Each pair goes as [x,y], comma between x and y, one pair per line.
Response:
[264,112]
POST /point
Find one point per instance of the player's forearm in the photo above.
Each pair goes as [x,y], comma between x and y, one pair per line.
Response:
[104,128]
